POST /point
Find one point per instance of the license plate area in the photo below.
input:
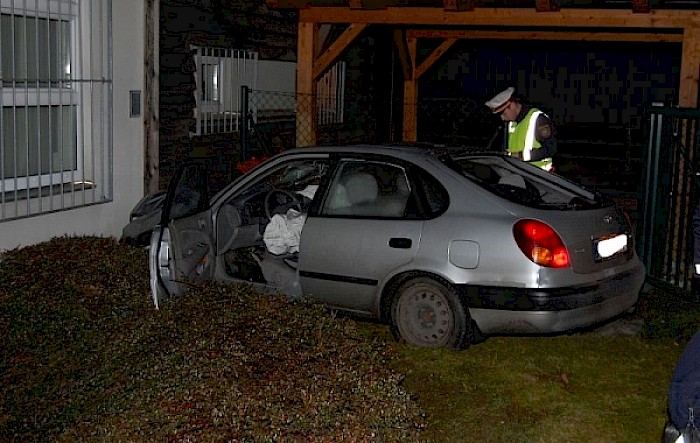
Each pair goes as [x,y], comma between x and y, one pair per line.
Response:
[605,248]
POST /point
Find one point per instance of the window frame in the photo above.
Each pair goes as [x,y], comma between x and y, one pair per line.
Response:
[46,95]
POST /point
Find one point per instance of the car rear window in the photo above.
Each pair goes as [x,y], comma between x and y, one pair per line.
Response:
[523,183]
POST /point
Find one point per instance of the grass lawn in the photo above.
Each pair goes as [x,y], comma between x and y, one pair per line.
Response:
[87,358]
[578,388]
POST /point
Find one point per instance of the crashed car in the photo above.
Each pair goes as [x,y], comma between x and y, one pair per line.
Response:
[445,246]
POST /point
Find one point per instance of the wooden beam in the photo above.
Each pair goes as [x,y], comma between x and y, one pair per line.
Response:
[434,56]
[504,17]
[690,69]
[336,48]
[650,37]
[306,115]
[410,98]
[402,51]
[459,5]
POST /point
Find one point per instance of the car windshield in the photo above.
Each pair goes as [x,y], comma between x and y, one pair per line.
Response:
[523,183]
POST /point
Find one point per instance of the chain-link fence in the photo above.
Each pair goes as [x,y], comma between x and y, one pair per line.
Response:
[280,120]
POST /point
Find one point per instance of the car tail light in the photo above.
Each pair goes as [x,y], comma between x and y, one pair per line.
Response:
[541,244]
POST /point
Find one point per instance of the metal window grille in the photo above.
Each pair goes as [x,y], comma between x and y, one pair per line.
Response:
[330,93]
[220,73]
[56,105]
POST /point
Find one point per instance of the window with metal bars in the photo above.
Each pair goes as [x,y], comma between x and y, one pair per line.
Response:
[220,73]
[55,105]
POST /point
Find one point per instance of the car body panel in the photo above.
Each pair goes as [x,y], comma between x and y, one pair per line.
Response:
[342,263]
[512,310]
[143,218]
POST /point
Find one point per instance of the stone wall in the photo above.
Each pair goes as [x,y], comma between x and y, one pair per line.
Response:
[247,25]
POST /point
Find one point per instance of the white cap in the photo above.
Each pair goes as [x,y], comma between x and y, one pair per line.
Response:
[500,100]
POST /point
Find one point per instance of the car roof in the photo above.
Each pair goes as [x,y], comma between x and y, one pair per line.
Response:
[396,150]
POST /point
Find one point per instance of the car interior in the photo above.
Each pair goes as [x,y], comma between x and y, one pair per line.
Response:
[526,185]
[243,220]
[259,229]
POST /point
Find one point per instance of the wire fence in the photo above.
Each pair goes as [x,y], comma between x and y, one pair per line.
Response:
[280,120]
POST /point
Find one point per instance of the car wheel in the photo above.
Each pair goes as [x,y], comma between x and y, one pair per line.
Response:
[428,314]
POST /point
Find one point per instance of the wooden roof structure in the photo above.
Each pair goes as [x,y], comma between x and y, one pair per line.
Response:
[453,20]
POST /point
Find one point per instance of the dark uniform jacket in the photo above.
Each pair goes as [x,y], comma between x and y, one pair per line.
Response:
[684,392]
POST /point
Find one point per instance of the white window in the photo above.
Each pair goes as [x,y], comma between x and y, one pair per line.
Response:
[220,73]
[55,96]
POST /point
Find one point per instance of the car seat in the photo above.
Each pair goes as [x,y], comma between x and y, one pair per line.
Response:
[353,195]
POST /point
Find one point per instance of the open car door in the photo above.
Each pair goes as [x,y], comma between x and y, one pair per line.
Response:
[181,248]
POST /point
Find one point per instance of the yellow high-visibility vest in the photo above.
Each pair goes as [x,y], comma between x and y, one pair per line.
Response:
[521,139]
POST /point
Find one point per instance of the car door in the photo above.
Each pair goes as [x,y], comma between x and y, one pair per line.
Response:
[182,244]
[359,236]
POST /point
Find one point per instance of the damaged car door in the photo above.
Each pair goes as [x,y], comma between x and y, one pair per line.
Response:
[181,247]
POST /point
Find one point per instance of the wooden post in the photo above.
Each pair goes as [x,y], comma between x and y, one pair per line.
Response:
[690,68]
[306,102]
[410,96]
[151,99]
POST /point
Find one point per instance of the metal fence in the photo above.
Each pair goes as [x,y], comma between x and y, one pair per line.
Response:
[670,194]
[220,75]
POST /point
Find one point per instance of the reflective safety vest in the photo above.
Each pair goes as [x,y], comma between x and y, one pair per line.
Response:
[521,139]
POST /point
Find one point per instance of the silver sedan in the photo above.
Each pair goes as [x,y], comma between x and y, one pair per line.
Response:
[446,246]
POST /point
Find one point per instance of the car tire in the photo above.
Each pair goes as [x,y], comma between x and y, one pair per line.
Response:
[429,314]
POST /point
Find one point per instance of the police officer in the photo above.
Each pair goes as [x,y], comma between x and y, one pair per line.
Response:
[531,133]
[684,397]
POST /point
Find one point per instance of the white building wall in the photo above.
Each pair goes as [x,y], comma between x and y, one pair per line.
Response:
[106,219]
[278,76]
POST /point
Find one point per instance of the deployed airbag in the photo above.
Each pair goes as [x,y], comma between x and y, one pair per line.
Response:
[283,232]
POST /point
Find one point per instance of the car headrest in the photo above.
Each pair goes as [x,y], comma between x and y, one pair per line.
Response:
[361,188]
[513,180]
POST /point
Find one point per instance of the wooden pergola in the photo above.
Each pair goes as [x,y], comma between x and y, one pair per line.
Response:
[412,21]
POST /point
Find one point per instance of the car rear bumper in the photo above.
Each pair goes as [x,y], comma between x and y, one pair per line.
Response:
[519,310]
